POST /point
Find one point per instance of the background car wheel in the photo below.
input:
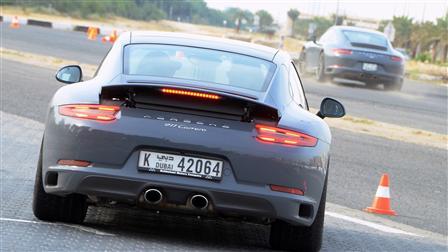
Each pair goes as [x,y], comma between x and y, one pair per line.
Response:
[394,86]
[302,64]
[284,236]
[72,208]
[320,71]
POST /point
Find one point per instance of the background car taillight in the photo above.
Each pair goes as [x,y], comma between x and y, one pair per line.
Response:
[90,111]
[340,51]
[396,58]
[282,136]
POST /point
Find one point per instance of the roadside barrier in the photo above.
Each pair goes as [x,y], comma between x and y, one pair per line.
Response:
[381,202]
[81,28]
[111,38]
[39,23]
[15,23]
[92,32]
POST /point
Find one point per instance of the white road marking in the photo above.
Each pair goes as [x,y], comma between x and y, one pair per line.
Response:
[79,227]
[373,225]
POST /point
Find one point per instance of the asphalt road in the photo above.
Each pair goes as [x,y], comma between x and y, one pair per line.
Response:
[108,229]
[419,105]
[357,160]
[418,174]
[57,43]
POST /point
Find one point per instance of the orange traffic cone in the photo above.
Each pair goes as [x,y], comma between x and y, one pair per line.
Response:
[92,32]
[111,38]
[15,23]
[381,202]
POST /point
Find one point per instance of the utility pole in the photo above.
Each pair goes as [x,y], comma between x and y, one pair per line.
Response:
[423,12]
[337,13]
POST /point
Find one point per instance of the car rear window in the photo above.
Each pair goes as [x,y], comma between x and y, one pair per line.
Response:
[366,38]
[199,64]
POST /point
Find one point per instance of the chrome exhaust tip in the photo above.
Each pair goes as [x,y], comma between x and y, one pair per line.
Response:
[153,196]
[199,201]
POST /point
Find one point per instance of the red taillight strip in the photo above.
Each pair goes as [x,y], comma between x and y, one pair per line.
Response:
[90,111]
[68,162]
[190,93]
[396,58]
[283,136]
[340,51]
[285,189]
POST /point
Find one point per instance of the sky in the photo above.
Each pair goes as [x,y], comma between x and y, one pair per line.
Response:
[427,10]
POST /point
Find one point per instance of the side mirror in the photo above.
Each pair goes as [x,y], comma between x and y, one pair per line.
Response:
[69,74]
[331,108]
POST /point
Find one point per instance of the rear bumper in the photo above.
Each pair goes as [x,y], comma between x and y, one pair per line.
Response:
[351,67]
[227,198]
[249,166]
[360,75]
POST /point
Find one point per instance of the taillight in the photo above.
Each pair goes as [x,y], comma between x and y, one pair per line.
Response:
[90,111]
[285,189]
[340,51]
[396,58]
[70,162]
[282,136]
[190,93]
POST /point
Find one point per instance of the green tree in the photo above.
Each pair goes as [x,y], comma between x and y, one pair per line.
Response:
[293,14]
[403,31]
[339,19]
[237,15]
[442,28]
[265,18]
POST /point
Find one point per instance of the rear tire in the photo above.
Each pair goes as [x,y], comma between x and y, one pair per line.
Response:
[285,236]
[48,207]
[394,86]
[320,71]
[302,64]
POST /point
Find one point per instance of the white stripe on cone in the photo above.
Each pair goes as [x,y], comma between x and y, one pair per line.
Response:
[383,192]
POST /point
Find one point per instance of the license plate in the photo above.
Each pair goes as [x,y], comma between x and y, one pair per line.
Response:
[180,165]
[369,67]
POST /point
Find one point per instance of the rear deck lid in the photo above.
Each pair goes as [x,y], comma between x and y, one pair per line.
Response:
[189,100]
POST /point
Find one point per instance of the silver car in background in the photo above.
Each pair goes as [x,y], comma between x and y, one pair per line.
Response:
[353,53]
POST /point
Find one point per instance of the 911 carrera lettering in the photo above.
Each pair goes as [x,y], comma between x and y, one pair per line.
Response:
[172,119]
[180,126]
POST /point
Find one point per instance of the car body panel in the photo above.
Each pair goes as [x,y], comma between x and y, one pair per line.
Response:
[250,165]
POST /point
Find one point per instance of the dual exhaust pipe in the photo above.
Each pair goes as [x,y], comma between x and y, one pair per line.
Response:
[154,196]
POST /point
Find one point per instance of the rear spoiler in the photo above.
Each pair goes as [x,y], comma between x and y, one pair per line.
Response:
[188,100]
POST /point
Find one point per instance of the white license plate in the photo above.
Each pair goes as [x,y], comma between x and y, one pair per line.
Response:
[180,165]
[369,67]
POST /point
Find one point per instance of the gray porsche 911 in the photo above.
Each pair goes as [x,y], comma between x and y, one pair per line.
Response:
[192,125]
[354,53]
